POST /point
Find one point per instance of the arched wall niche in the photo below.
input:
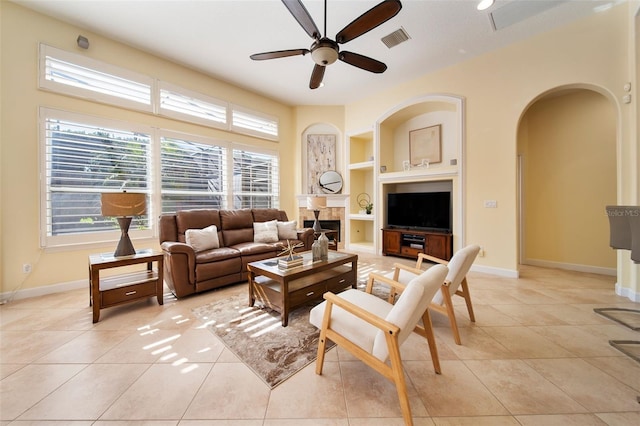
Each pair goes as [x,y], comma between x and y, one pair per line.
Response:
[391,141]
[568,147]
[312,137]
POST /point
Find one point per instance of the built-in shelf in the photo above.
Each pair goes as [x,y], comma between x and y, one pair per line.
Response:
[361,166]
[357,216]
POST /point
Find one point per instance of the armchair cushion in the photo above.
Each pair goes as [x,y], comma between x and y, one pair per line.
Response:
[203,239]
[265,232]
[353,328]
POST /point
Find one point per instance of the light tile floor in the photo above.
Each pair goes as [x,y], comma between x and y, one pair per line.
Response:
[537,355]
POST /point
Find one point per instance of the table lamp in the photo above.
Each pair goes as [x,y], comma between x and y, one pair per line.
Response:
[124,205]
[316,203]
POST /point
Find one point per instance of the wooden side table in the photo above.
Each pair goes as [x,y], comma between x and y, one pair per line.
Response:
[127,287]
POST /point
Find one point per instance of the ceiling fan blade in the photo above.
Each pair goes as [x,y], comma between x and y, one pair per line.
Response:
[301,14]
[375,16]
[278,54]
[316,76]
[364,62]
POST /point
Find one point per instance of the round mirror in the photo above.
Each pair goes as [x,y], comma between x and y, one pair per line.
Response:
[331,182]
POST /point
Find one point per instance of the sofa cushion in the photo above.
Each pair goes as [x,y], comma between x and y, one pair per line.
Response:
[265,232]
[195,219]
[265,215]
[216,255]
[203,239]
[287,230]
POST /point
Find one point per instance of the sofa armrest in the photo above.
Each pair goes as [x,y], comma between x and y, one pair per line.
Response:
[306,236]
[180,264]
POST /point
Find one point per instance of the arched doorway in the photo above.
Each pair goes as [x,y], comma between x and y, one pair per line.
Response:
[567,175]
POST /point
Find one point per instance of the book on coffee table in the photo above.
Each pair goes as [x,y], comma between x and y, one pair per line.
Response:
[286,263]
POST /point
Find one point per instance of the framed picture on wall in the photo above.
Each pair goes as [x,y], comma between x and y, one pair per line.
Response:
[321,156]
[425,145]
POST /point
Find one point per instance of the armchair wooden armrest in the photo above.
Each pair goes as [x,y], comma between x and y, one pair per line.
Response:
[422,256]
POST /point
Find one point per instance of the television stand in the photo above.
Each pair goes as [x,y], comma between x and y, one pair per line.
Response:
[409,243]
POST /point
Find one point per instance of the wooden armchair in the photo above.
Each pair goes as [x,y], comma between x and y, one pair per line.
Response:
[373,329]
[454,284]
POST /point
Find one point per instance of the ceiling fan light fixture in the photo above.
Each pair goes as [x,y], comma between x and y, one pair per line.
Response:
[324,52]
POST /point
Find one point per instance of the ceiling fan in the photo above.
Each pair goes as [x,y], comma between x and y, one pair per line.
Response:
[325,51]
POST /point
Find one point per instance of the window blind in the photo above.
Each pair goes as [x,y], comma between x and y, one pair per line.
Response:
[245,121]
[80,76]
[256,181]
[83,160]
[186,105]
[193,175]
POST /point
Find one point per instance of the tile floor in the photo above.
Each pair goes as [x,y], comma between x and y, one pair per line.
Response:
[537,355]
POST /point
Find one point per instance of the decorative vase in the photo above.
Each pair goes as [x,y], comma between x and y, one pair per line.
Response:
[316,251]
[324,246]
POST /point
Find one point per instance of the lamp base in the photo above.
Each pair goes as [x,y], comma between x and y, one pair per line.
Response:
[125,247]
[316,224]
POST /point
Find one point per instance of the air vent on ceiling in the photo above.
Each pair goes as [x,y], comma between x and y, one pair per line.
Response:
[395,38]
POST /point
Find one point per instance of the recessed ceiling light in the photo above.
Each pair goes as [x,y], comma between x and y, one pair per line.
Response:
[485,4]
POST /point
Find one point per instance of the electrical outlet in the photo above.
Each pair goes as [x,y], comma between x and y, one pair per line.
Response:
[26,268]
[490,204]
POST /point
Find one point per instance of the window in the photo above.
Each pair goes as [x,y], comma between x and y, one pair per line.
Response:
[84,158]
[80,76]
[189,106]
[255,180]
[193,175]
[254,123]
[77,75]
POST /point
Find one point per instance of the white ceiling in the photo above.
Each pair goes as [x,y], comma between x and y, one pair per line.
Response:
[217,36]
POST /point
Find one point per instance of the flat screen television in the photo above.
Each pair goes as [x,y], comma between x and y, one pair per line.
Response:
[425,211]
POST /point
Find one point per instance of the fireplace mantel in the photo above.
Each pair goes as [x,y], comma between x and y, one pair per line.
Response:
[333,200]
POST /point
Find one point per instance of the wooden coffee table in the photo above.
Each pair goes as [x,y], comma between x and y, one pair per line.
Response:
[285,289]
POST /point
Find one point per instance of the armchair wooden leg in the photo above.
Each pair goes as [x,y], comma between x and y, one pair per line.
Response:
[322,340]
[452,316]
[467,299]
[427,332]
[398,378]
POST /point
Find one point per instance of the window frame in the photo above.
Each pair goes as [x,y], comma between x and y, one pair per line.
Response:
[84,238]
[98,67]
[165,86]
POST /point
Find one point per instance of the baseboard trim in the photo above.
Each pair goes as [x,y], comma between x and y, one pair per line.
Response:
[571,267]
[501,272]
[44,290]
[627,292]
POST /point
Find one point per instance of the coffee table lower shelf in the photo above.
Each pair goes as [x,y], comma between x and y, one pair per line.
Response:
[286,292]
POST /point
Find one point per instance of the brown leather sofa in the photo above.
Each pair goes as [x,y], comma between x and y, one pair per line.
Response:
[187,271]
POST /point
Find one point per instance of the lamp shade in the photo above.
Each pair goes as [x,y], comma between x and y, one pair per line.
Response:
[123,203]
[316,203]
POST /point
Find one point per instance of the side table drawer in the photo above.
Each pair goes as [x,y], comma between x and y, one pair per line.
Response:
[126,293]
[305,294]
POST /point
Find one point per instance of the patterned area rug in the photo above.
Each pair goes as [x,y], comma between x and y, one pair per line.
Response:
[256,336]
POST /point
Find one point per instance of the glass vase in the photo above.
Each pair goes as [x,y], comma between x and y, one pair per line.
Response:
[324,246]
[316,251]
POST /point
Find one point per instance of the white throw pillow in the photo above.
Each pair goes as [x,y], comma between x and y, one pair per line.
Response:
[265,232]
[203,239]
[288,230]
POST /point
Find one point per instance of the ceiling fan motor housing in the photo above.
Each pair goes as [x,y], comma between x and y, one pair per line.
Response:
[324,52]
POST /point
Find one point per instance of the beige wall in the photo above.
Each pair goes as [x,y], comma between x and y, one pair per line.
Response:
[21,31]
[569,163]
[497,88]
